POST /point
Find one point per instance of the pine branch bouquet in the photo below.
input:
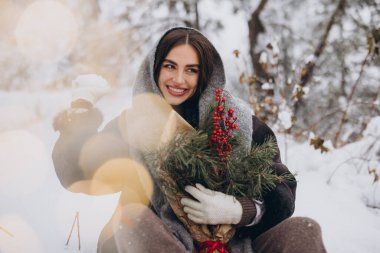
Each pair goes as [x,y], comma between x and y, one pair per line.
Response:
[205,157]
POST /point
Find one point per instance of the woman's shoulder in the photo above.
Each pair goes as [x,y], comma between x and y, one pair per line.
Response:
[260,130]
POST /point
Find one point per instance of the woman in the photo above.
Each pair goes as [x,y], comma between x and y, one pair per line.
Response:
[185,69]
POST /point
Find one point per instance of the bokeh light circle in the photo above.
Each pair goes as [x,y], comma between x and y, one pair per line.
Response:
[46,31]
[143,125]
[98,149]
[128,177]
[24,163]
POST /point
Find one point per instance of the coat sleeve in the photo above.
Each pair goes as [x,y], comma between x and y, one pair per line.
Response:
[280,202]
[81,149]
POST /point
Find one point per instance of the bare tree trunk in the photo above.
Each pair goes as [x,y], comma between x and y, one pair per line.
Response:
[256,27]
[196,23]
[171,5]
[192,7]
[308,69]
[187,7]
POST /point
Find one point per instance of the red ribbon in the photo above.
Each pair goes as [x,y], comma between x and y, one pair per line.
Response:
[212,246]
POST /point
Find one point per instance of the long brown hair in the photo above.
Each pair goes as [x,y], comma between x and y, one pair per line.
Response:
[205,50]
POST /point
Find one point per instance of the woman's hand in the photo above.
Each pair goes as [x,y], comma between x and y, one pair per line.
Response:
[212,207]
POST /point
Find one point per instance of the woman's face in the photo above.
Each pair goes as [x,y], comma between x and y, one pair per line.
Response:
[179,74]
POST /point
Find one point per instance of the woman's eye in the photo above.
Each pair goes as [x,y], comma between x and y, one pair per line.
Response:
[169,66]
[193,70]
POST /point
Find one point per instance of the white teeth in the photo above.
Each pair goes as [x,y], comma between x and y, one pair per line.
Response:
[176,90]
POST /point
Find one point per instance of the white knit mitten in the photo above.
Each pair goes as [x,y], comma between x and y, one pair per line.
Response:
[211,207]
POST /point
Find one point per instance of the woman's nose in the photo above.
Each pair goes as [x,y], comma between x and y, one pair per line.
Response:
[179,77]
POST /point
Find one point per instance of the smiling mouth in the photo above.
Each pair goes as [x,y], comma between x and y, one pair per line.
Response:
[176,91]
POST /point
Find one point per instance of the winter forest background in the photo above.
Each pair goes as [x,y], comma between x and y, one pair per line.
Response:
[310,69]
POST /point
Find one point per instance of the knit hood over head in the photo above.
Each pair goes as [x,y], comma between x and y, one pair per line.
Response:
[145,83]
[145,78]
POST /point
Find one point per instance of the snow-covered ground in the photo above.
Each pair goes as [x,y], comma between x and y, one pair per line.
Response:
[37,213]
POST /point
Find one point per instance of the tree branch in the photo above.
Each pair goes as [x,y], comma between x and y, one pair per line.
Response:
[308,69]
[349,99]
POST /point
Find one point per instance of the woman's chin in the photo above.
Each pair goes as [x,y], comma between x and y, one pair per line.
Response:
[176,100]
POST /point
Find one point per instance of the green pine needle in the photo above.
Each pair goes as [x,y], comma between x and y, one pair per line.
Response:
[189,159]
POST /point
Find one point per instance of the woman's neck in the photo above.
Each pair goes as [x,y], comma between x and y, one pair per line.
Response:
[179,109]
[189,111]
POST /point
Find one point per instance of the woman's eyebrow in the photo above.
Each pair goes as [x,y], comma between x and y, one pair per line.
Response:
[193,65]
[170,61]
[188,65]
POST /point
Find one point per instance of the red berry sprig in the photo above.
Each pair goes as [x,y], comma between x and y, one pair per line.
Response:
[223,126]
